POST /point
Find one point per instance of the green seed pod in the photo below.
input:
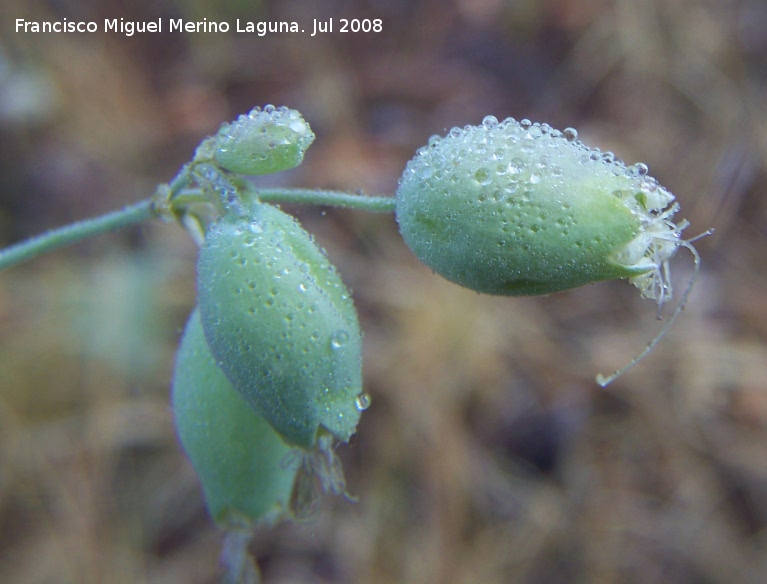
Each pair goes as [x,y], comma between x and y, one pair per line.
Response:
[239,458]
[263,141]
[516,208]
[281,324]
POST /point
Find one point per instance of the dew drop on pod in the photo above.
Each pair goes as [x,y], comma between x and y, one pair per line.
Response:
[516,208]
[238,457]
[281,324]
[264,141]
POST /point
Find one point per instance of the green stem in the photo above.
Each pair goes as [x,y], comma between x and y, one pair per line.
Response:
[31,248]
[328,198]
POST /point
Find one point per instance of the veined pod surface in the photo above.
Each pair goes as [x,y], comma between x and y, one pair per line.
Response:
[517,208]
[263,141]
[238,456]
[281,324]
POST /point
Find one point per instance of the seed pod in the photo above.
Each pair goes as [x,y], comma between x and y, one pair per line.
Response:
[263,141]
[281,325]
[239,458]
[516,208]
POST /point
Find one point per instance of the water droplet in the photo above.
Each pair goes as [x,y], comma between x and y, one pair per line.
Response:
[363,401]
[240,226]
[570,134]
[483,177]
[638,169]
[515,166]
[490,121]
[528,144]
[339,339]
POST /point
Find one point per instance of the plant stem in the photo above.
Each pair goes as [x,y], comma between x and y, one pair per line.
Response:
[38,245]
[328,198]
[31,248]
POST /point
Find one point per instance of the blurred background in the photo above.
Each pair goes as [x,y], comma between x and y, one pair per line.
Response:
[489,453]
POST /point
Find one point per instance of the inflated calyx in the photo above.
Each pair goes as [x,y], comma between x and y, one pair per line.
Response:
[517,208]
[281,324]
[239,458]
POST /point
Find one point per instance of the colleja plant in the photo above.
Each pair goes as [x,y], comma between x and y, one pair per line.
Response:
[268,373]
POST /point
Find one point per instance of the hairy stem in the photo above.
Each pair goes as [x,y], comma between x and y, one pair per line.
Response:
[40,244]
[35,246]
[328,198]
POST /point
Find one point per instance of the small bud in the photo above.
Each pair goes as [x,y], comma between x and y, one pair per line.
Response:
[262,142]
[281,324]
[239,458]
